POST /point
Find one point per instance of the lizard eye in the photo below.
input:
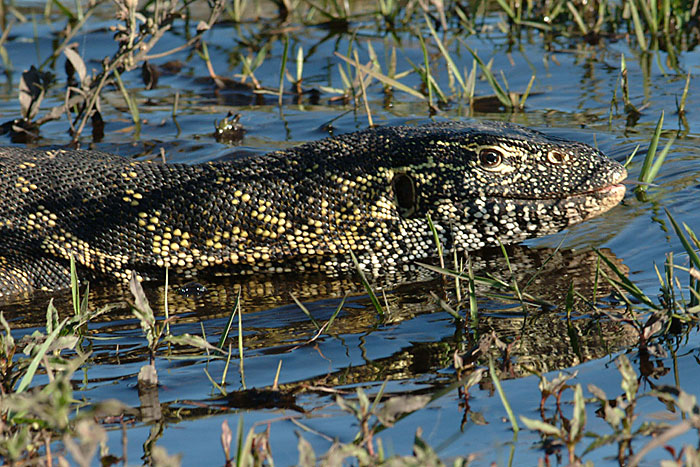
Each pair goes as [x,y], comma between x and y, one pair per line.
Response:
[405,194]
[490,158]
[555,157]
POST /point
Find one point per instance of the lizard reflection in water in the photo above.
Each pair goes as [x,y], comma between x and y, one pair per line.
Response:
[274,324]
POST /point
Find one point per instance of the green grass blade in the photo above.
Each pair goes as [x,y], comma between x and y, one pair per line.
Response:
[305,311]
[446,307]
[166,307]
[300,62]
[240,346]
[508,10]
[368,288]
[344,78]
[526,94]
[8,340]
[656,166]
[74,288]
[577,18]
[631,156]
[131,104]
[227,329]
[426,74]
[502,395]
[434,85]
[240,445]
[651,152]
[473,306]
[84,302]
[65,11]
[649,12]
[450,64]
[219,387]
[638,28]
[624,281]
[363,88]
[684,96]
[629,107]
[260,57]
[283,67]
[335,313]
[694,258]
[51,317]
[501,94]
[574,338]
[436,238]
[514,282]
[543,427]
[41,352]
[226,366]
[666,14]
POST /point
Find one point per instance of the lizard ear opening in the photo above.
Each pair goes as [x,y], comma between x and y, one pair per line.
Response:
[405,194]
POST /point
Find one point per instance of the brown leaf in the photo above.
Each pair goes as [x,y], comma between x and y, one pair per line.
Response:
[141,302]
[90,435]
[32,87]
[306,452]
[142,310]
[226,438]
[398,406]
[161,458]
[78,64]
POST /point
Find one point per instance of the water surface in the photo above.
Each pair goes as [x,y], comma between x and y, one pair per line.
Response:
[411,349]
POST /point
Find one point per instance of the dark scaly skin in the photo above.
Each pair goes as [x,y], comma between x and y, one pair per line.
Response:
[301,209]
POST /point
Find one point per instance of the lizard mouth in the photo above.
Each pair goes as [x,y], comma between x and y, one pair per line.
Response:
[609,195]
[615,189]
[609,188]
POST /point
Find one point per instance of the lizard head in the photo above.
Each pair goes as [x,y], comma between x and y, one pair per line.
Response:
[495,182]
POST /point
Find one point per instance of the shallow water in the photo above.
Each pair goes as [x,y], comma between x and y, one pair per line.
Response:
[413,347]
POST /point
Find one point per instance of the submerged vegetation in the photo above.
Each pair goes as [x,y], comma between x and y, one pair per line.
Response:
[45,413]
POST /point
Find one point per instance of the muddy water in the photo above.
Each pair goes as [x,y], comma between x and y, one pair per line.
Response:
[413,345]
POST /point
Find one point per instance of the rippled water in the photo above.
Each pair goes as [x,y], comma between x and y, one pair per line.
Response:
[413,347]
